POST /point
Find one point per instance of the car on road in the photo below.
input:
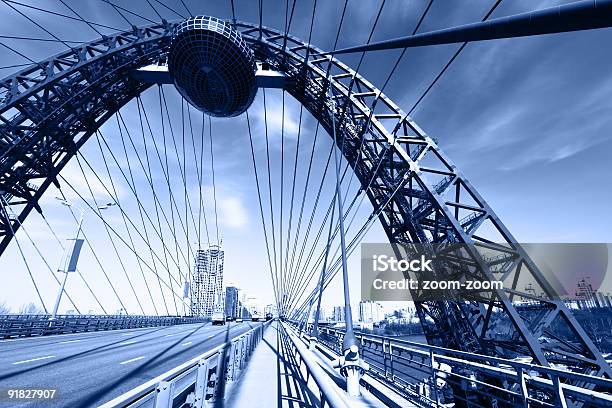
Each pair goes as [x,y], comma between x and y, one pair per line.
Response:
[218,319]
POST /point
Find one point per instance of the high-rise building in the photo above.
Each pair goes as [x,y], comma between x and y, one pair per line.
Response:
[338,313]
[207,291]
[371,312]
[232,304]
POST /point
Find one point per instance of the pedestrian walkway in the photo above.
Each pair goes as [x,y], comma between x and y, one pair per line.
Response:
[273,378]
[250,390]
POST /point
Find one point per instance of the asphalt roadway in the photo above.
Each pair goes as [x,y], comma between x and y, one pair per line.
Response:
[88,369]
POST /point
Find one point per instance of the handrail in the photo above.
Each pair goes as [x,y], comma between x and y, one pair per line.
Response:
[328,388]
[431,360]
[199,377]
[473,356]
[41,325]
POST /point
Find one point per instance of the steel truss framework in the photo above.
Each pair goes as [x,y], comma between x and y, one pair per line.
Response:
[49,110]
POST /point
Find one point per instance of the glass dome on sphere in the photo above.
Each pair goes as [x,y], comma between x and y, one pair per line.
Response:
[212,65]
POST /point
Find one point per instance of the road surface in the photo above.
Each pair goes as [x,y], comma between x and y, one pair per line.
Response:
[88,369]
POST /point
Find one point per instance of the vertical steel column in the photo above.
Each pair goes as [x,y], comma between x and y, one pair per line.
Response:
[351,368]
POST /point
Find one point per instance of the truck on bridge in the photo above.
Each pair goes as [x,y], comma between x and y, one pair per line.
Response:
[218,318]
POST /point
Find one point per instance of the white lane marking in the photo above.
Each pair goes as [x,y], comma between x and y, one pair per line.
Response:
[33,359]
[174,334]
[69,341]
[125,343]
[132,360]
[186,344]
[127,334]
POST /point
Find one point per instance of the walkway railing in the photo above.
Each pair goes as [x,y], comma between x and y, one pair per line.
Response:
[435,375]
[42,325]
[329,393]
[200,380]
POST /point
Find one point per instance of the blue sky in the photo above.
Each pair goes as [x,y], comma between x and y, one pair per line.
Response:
[527,121]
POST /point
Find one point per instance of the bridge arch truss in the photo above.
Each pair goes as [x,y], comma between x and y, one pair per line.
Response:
[49,110]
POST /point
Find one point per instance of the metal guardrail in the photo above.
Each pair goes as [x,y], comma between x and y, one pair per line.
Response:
[197,382]
[330,393]
[43,325]
[434,376]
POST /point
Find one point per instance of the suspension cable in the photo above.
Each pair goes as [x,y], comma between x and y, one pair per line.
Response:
[97,206]
[130,12]
[187,8]
[93,251]
[114,231]
[148,173]
[141,209]
[20,54]
[280,225]
[450,61]
[378,95]
[155,202]
[337,33]
[167,177]
[287,25]
[155,10]
[372,110]
[14,66]
[324,267]
[52,40]
[233,13]
[362,231]
[132,185]
[44,259]
[297,149]
[61,244]
[165,171]
[384,85]
[199,171]
[36,24]
[122,15]
[112,183]
[23,257]
[183,168]
[261,211]
[171,9]
[212,168]
[265,110]
[60,15]
[81,18]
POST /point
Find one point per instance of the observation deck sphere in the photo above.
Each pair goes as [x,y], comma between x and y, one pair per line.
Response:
[213,67]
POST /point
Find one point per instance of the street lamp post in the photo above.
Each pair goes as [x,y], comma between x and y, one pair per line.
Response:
[72,252]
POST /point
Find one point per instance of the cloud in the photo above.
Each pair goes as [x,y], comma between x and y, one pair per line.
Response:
[231,210]
[274,117]
[232,213]
[99,183]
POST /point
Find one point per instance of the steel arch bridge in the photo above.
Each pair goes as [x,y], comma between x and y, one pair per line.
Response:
[50,109]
